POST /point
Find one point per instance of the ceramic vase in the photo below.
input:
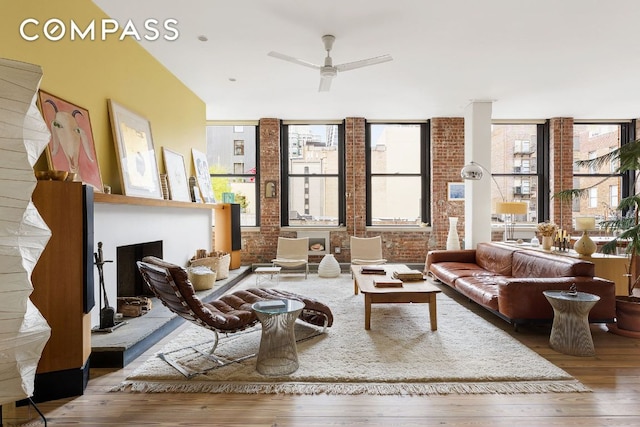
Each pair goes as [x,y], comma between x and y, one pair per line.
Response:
[329,266]
[547,242]
[453,240]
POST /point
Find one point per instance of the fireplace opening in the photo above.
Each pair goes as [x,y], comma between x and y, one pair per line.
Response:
[130,282]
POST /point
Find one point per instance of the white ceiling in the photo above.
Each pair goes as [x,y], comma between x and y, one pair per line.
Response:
[535,58]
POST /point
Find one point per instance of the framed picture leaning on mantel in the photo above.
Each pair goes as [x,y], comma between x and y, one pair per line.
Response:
[135,152]
[176,175]
[203,175]
[71,147]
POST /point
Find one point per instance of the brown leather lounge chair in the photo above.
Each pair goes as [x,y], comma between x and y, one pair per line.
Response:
[228,314]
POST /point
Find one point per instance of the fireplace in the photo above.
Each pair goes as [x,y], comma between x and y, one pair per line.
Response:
[130,282]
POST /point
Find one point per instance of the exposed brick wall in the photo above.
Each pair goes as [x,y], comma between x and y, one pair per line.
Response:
[356,179]
[561,170]
[447,158]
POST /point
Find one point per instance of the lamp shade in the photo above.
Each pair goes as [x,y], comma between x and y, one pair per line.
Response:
[585,223]
[472,171]
[514,208]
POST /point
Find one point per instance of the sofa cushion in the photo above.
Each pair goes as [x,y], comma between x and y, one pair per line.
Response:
[448,272]
[540,264]
[481,289]
[495,258]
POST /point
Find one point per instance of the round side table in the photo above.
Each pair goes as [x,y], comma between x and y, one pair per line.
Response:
[278,354]
[570,333]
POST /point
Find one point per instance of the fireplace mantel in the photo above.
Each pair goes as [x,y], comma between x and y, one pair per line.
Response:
[119,220]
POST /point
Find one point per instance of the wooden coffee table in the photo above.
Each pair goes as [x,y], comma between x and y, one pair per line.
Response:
[416,292]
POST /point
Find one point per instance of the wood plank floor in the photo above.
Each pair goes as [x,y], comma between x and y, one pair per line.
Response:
[613,375]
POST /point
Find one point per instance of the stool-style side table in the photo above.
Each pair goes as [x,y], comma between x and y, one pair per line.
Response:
[260,272]
[570,333]
[278,354]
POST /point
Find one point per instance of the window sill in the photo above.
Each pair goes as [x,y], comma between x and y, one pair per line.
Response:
[400,229]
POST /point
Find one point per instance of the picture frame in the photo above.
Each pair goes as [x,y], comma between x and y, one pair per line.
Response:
[176,175]
[71,147]
[455,191]
[203,178]
[135,152]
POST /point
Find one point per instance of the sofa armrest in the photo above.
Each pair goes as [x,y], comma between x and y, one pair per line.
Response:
[461,255]
[522,298]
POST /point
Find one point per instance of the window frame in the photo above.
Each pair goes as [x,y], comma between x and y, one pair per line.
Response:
[424,174]
[285,173]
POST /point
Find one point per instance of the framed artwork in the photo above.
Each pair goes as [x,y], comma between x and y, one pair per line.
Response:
[176,175]
[203,177]
[455,191]
[71,147]
[135,153]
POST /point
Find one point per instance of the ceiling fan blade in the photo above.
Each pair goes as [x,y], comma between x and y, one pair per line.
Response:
[363,63]
[325,84]
[294,60]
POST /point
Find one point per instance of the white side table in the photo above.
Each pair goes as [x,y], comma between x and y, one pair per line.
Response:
[570,333]
[262,272]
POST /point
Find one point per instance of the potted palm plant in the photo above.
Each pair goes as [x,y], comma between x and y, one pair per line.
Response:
[627,227]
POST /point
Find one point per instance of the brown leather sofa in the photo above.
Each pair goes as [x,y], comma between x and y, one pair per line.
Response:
[509,281]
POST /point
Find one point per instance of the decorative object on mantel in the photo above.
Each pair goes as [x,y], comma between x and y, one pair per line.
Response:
[164,184]
[135,153]
[585,246]
[329,266]
[23,235]
[71,148]
[203,176]
[176,175]
[453,240]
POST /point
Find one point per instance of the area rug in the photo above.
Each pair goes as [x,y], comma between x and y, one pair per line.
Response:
[399,355]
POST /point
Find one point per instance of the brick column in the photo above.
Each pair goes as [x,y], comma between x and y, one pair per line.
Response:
[561,170]
[356,178]
[447,158]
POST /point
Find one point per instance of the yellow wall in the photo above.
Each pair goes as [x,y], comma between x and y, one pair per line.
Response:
[88,72]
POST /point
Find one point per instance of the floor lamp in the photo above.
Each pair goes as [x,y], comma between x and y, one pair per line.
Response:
[475,171]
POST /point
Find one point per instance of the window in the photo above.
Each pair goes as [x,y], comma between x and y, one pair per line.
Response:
[514,166]
[232,153]
[313,174]
[397,174]
[593,140]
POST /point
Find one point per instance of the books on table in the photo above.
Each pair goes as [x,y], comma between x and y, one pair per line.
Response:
[387,283]
[372,269]
[408,276]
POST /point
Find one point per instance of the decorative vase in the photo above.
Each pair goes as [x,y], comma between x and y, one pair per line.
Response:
[547,242]
[453,240]
[329,266]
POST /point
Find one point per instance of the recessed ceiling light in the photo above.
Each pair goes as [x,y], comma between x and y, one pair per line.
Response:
[232,79]
[203,38]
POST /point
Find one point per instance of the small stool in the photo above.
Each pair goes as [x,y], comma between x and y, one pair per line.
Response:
[260,272]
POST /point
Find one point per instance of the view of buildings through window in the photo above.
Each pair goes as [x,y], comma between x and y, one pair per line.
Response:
[231,154]
[514,166]
[591,141]
[397,174]
[314,178]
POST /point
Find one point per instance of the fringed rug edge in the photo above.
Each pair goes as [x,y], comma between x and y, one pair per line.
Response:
[409,389]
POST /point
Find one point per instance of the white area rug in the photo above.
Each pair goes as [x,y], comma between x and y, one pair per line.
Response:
[399,355]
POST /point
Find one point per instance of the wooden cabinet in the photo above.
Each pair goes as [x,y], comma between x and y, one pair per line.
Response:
[227,231]
[63,287]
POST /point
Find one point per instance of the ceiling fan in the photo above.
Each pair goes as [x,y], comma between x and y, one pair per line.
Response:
[328,71]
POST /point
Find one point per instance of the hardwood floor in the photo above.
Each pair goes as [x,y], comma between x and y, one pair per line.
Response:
[613,375]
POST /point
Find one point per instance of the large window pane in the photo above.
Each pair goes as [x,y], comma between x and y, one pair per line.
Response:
[396,200]
[600,201]
[314,174]
[313,201]
[514,166]
[231,153]
[396,177]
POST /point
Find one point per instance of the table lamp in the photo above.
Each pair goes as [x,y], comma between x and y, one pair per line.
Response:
[510,209]
[585,246]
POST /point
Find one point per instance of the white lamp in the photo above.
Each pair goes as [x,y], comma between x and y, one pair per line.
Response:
[585,246]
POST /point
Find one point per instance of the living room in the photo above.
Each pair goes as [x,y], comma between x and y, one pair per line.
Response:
[88,73]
